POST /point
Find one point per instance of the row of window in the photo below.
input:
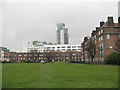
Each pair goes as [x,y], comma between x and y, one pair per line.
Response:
[66,47]
[58,48]
[100,32]
[108,37]
[54,47]
[42,54]
[75,57]
[35,48]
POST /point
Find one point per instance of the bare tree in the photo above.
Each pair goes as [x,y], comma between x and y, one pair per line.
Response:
[117,46]
[32,56]
[91,49]
[49,56]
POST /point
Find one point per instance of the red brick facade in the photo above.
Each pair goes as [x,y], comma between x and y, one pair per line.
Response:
[105,38]
[37,56]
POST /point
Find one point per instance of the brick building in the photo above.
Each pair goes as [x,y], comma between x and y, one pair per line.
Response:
[104,38]
[39,56]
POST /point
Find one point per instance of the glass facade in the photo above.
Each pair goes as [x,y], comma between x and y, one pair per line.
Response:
[62,39]
[58,36]
[66,36]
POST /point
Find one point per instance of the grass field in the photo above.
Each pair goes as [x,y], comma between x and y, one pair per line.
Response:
[58,75]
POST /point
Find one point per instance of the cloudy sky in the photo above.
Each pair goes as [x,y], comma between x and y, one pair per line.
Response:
[28,20]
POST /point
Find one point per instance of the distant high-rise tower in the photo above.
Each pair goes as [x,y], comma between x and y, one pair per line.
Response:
[62,34]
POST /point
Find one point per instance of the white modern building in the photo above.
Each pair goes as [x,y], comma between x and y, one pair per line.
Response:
[63,48]
[35,45]
[41,47]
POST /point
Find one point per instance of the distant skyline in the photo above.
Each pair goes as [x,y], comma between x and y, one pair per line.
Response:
[26,21]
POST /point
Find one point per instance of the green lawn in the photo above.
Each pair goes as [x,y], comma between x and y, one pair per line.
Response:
[59,75]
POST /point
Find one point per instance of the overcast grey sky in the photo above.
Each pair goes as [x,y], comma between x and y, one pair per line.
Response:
[26,21]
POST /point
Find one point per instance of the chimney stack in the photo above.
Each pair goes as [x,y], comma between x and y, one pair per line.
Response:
[102,23]
[93,33]
[85,39]
[110,21]
[97,29]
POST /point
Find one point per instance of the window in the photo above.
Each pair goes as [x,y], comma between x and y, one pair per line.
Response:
[108,36]
[68,49]
[63,47]
[102,45]
[74,54]
[58,47]
[100,53]
[73,46]
[78,46]
[48,47]
[99,32]
[68,46]
[119,36]
[73,49]
[101,37]
[110,46]
[40,54]
[25,55]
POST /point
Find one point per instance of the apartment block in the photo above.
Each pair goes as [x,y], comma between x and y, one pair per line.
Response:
[105,36]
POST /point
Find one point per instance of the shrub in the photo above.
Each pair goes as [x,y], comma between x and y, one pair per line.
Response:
[114,59]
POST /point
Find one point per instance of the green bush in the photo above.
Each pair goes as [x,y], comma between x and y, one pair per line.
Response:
[114,59]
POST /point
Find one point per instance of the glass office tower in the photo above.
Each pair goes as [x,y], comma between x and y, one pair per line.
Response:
[62,34]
